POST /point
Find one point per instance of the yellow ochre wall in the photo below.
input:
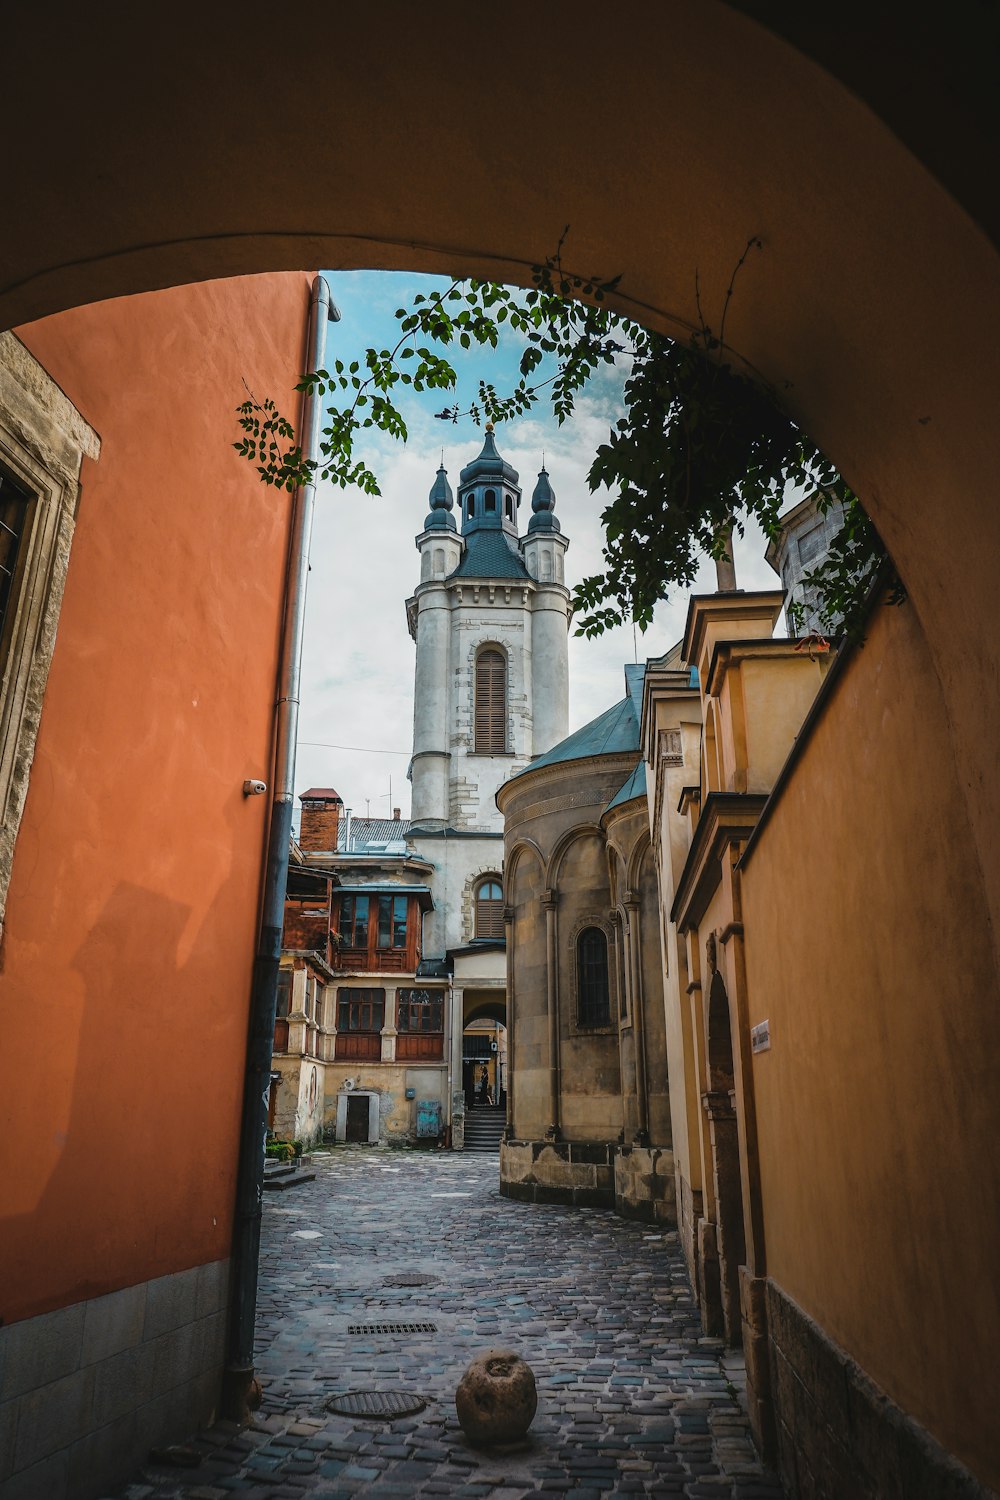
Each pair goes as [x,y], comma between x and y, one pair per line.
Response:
[869,950]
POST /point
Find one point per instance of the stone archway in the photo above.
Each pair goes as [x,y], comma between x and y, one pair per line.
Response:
[874,306]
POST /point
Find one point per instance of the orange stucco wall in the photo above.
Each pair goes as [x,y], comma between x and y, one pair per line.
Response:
[869,950]
[126,955]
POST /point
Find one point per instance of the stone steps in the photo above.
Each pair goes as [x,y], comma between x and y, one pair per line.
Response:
[281,1175]
[484,1126]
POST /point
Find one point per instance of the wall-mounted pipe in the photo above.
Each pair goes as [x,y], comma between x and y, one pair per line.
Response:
[264,990]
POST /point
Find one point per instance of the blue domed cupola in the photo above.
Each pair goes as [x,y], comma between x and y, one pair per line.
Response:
[488,492]
[442,504]
[543,503]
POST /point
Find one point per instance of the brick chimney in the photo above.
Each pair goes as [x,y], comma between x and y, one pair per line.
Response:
[395,815]
[321,807]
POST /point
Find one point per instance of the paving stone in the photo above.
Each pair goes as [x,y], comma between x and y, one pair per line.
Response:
[633,1399]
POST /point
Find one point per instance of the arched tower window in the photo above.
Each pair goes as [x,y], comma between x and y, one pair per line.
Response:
[491,702]
[489,908]
[490,500]
[470,506]
[593,999]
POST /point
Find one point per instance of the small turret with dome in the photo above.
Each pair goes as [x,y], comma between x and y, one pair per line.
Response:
[442,503]
[543,503]
[544,547]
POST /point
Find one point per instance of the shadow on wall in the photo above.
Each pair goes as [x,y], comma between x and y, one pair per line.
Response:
[143,1181]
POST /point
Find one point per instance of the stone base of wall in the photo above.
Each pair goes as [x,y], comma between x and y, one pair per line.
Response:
[86,1391]
[638,1181]
[580,1172]
[645,1184]
[838,1434]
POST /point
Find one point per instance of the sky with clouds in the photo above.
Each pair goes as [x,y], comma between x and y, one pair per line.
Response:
[356,719]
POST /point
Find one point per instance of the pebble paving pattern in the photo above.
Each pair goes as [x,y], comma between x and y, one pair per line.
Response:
[632,1399]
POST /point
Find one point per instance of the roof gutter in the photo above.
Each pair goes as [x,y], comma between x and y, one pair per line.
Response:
[239,1377]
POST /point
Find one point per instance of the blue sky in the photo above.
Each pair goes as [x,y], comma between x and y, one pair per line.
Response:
[357,707]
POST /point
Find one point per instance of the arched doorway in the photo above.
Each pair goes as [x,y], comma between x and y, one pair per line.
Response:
[719,1104]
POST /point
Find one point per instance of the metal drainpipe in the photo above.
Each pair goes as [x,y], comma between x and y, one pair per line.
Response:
[263,994]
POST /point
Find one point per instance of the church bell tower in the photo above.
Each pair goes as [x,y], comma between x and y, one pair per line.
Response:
[490,618]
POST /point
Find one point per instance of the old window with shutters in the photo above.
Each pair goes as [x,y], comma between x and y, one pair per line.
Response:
[489,908]
[491,702]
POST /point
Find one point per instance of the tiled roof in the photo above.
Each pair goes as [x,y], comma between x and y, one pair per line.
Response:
[488,554]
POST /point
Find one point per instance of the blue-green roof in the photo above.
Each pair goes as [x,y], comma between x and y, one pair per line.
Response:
[488,554]
[614,732]
[635,786]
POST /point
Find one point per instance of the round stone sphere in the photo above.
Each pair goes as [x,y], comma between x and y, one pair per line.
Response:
[496,1398]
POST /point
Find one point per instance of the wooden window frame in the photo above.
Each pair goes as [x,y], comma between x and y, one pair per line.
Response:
[43,441]
[371,998]
[421,1043]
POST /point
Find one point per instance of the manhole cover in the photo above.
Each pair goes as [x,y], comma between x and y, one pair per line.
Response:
[412,1278]
[363,1328]
[387,1404]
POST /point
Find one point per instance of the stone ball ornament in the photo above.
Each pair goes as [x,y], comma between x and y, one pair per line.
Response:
[496,1398]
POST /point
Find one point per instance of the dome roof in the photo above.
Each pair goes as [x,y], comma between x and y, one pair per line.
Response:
[442,503]
[543,503]
[489,464]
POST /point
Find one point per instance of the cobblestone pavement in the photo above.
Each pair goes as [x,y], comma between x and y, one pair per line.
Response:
[632,1399]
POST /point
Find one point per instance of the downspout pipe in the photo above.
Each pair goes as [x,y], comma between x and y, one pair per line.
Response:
[239,1378]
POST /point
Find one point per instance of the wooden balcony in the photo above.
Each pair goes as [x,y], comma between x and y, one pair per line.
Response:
[420,1046]
[372,961]
[359,1046]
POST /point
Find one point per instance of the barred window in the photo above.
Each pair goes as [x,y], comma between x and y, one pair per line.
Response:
[491,702]
[593,1004]
[489,908]
[360,1010]
[420,1010]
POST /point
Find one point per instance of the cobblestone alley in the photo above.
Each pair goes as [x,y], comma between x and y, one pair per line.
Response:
[632,1400]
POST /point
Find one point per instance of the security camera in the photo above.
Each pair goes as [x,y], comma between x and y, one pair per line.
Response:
[254,788]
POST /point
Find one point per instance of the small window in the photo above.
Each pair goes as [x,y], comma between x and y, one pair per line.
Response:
[284,992]
[489,909]
[14,509]
[391,920]
[420,1011]
[593,1006]
[471,506]
[354,921]
[490,500]
[360,1010]
[510,508]
[491,703]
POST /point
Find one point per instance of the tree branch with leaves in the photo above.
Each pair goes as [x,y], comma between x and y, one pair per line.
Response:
[702,445]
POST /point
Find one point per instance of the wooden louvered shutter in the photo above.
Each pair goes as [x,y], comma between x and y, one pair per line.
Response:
[491,703]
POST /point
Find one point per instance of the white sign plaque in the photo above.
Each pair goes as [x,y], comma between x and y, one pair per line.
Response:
[760,1036]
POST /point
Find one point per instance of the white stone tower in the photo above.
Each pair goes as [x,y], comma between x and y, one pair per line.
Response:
[490,618]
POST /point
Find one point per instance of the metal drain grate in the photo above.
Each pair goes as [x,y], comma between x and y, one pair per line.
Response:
[392,1328]
[386,1404]
[411,1278]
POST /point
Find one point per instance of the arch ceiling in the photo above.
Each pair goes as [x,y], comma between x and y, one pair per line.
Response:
[149,149]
